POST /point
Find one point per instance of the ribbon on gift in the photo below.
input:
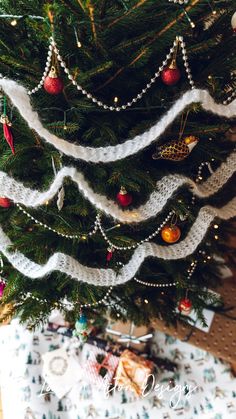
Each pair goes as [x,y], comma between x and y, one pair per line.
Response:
[126,338]
[105,363]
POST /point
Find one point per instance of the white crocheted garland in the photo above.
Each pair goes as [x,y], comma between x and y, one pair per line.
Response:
[165,188]
[108,277]
[21,101]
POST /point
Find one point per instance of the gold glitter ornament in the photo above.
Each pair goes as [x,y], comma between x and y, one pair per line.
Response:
[176,150]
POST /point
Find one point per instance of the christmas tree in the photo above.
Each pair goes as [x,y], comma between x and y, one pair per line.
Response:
[116,159]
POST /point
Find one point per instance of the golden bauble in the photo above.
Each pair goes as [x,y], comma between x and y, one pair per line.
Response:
[170,233]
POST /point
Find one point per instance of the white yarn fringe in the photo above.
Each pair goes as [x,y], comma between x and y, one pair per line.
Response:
[165,188]
[107,277]
[20,99]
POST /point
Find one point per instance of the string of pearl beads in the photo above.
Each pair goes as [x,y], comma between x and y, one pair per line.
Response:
[67,236]
[71,305]
[133,246]
[53,48]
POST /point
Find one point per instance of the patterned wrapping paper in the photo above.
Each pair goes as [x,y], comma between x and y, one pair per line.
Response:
[132,371]
[21,372]
[99,366]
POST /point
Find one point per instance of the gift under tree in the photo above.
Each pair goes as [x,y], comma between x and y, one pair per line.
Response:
[116,171]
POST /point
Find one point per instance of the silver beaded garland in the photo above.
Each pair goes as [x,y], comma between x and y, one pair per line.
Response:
[168,284]
[229,98]
[156,285]
[53,48]
[192,269]
[71,305]
[67,236]
[179,1]
[199,177]
[133,246]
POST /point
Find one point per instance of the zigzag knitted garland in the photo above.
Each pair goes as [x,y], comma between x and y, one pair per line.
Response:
[20,99]
[107,277]
[165,188]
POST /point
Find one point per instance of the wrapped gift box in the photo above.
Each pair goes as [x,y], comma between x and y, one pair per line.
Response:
[98,365]
[129,335]
[220,338]
[60,371]
[132,372]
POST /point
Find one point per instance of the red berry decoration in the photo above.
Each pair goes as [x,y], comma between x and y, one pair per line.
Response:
[170,233]
[2,286]
[185,306]
[5,202]
[171,74]
[123,197]
[52,83]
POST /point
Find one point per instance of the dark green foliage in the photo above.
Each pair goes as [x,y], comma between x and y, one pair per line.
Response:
[119,55]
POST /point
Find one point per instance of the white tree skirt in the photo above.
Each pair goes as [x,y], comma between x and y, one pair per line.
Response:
[21,384]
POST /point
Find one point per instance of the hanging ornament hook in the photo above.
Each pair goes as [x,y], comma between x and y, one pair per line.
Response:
[183,123]
[192,24]
[79,45]
[174,219]
[51,15]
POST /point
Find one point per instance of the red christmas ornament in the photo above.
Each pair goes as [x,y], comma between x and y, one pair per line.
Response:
[52,83]
[7,132]
[2,286]
[170,233]
[109,254]
[185,306]
[123,197]
[171,74]
[5,202]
